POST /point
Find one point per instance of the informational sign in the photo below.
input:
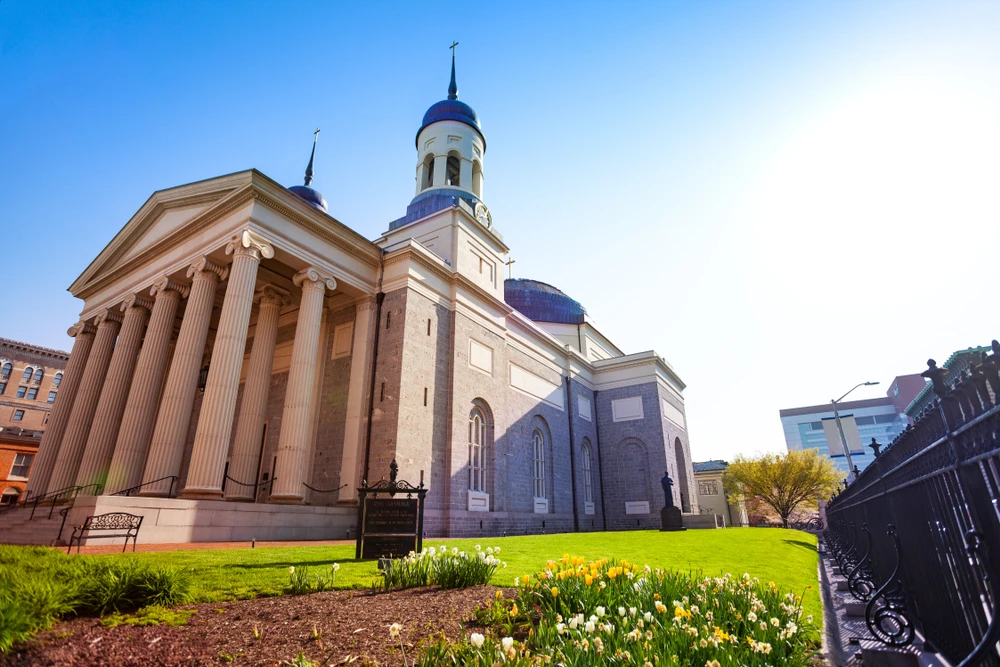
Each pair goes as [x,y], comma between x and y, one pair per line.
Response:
[391,518]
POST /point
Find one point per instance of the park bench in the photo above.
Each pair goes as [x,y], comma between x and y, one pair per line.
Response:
[114,524]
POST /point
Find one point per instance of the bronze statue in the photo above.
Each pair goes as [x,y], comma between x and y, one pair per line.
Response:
[667,484]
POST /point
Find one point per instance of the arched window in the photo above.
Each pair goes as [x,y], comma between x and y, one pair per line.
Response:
[428,171]
[6,368]
[477,450]
[477,178]
[57,380]
[39,374]
[27,373]
[538,447]
[588,488]
[454,173]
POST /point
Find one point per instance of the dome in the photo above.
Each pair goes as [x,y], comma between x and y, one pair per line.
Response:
[310,196]
[452,110]
[541,302]
[305,192]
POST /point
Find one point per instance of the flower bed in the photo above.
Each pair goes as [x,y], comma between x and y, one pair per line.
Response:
[605,612]
[447,569]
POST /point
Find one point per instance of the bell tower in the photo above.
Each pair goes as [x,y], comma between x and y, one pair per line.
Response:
[450,148]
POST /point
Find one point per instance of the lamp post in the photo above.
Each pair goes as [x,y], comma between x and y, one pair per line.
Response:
[843,440]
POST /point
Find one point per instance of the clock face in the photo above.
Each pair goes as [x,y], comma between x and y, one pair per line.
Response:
[483,215]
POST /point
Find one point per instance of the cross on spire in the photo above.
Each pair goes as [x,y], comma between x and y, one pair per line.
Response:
[453,87]
[510,269]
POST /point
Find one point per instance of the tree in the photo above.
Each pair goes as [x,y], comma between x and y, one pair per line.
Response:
[783,482]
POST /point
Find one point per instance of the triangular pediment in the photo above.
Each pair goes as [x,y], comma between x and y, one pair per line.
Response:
[165,214]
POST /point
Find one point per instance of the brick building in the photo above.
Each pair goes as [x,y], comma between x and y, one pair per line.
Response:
[30,377]
[17,453]
[244,360]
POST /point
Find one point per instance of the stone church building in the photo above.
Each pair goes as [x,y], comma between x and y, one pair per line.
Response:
[243,361]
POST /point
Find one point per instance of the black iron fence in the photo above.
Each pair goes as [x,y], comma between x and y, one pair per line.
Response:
[917,534]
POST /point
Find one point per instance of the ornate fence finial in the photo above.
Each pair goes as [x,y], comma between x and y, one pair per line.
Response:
[936,376]
[875,447]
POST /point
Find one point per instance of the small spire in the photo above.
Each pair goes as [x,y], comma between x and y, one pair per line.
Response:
[453,87]
[312,156]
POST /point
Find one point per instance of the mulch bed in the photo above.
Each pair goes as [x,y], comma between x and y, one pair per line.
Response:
[353,627]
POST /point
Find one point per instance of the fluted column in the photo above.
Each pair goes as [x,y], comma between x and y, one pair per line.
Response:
[78,429]
[246,448]
[132,444]
[100,445]
[215,424]
[166,447]
[296,418]
[48,449]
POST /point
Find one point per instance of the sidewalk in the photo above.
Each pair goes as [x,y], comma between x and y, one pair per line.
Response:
[96,549]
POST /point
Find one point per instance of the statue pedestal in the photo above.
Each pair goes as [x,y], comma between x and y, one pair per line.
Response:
[670,519]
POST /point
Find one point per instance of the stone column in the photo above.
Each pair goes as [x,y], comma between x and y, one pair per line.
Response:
[48,449]
[215,425]
[357,398]
[100,446]
[296,418]
[246,448]
[440,170]
[166,447]
[89,393]
[140,411]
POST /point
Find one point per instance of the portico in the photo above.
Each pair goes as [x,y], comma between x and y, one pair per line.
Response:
[184,372]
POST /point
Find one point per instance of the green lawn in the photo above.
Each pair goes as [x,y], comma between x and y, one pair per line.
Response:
[786,557]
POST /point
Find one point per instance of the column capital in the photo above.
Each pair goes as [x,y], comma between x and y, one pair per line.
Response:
[271,295]
[313,278]
[206,269]
[108,316]
[165,284]
[80,328]
[134,300]
[249,243]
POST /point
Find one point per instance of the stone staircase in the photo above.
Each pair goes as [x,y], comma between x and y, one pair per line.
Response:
[16,527]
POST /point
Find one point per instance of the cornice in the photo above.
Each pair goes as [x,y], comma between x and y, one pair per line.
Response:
[32,350]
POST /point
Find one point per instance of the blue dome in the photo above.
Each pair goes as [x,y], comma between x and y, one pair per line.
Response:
[310,196]
[541,302]
[453,110]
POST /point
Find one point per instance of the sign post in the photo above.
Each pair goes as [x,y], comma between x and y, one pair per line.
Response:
[390,526]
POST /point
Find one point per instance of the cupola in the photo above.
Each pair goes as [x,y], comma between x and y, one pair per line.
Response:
[450,148]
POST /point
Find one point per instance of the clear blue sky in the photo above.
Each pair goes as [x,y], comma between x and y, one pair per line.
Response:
[783,199]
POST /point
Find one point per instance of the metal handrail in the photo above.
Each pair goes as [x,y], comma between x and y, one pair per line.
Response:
[131,491]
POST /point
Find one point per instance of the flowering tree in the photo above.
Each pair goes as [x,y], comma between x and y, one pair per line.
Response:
[784,482]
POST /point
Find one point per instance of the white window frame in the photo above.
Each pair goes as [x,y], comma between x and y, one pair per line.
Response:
[588,488]
[538,459]
[25,462]
[477,451]
[18,417]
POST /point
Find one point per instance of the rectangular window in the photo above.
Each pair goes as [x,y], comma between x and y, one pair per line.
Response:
[22,463]
[425,397]
[885,419]
[381,393]
[33,393]
[3,388]
[816,426]
[539,459]
[20,391]
[52,397]
[588,490]
[709,488]
[388,319]
[428,327]
[861,421]
[18,415]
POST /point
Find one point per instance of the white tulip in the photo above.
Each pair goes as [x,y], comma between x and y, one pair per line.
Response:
[477,639]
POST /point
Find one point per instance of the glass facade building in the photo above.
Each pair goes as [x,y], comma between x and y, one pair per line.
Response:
[876,418]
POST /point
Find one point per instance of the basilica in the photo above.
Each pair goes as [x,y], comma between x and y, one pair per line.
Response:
[243,362]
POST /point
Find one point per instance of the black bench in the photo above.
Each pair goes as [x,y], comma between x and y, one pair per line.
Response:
[114,524]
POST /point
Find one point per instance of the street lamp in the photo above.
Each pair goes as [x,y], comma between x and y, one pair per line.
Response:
[840,428]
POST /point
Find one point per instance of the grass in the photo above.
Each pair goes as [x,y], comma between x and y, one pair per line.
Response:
[787,557]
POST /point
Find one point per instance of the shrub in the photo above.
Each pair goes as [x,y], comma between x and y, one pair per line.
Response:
[447,569]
